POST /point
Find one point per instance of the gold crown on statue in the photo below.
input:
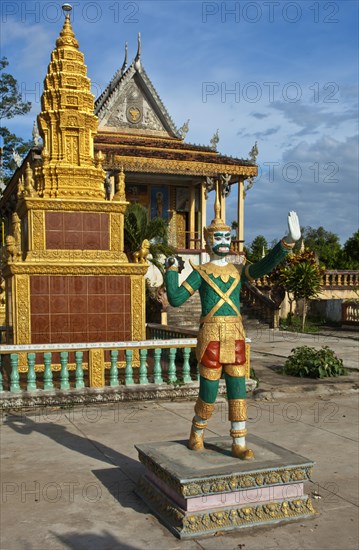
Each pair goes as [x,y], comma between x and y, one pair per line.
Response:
[217,224]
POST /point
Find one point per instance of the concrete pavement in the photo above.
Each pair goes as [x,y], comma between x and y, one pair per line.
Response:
[68,475]
[345,343]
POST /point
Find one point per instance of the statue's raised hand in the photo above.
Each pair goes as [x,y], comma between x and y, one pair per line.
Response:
[293,228]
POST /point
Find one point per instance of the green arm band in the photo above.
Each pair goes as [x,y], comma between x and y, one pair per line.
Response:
[178,295]
[265,266]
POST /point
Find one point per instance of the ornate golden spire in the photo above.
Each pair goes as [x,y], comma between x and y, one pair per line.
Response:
[217,205]
[67,125]
[67,36]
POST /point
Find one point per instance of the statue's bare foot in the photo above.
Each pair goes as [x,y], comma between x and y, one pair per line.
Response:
[242,452]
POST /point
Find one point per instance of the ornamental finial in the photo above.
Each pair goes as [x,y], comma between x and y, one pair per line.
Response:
[138,54]
[253,153]
[217,224]
[67,35]
[36,135]
[217,204]
[67,9]
[214,141]
[124,64]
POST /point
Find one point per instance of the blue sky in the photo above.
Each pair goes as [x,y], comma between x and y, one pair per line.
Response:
[281,73]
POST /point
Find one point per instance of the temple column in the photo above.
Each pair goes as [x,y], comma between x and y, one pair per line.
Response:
[192,213]
[112,187]
[203,211]
[240,212]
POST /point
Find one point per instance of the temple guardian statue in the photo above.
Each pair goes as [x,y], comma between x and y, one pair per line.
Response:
[221,337]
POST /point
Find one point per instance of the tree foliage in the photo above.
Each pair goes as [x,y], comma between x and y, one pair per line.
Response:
[137,228]
[12,142]
[324,244]
[257,248]
[11,105]
[350,253]
[300,275]
[328,250]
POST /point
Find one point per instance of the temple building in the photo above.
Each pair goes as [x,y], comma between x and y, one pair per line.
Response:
[168,176]
[67,277]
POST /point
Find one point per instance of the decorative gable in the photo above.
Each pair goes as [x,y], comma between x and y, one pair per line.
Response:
[128,107]
[131,103]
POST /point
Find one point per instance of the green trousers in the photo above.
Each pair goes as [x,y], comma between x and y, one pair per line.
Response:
[236,388]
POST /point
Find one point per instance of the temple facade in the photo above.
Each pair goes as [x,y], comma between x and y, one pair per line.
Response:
[168,176]
[65,275]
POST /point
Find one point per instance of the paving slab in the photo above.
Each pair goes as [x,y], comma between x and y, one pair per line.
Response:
[68,474]
[68,479]
[280,343]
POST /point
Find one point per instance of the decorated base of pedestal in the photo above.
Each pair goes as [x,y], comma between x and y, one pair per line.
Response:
[200,493]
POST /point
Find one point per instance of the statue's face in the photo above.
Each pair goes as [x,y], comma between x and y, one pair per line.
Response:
[221,243]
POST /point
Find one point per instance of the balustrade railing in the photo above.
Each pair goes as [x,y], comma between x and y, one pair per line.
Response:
[344,279]
[156,331]
[99,365]
[340,279]
[189,240]
[237,246]
[266,308]
[350,313]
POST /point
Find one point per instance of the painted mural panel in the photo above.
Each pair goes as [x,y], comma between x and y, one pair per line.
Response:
[159,202]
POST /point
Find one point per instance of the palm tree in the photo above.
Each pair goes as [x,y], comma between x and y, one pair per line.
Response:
[137,228]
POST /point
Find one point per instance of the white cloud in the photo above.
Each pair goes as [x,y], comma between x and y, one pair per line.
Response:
[325,193]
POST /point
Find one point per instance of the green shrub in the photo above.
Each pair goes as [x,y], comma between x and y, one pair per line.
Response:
[254,376]
[308,362]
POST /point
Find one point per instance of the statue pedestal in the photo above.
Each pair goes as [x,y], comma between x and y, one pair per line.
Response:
[200,493]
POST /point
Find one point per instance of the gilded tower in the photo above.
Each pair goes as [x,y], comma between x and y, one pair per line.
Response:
[67,126]
[67,277]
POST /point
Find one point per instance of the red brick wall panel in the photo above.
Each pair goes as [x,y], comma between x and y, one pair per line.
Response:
[80,309]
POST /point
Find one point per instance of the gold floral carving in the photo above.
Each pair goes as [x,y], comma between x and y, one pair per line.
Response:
[72,205]
[235,370]
[169,166]
[96,368]
[120,194]
[203,409]
[210,374]
[248,361]
[224,329]
[172,229]
[229,483]
[237,410]
[21,308]
[116,235]
[16,229]
[224,273]
[231,517]
[37,229]
[138,321]
[72,256]
[87,269]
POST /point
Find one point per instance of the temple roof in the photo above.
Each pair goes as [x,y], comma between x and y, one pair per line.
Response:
[147,153]
[136,132]
[131,102]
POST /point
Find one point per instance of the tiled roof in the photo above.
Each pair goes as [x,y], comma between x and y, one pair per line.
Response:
[166,148]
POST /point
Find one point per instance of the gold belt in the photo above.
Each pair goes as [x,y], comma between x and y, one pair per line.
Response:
[220,319]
